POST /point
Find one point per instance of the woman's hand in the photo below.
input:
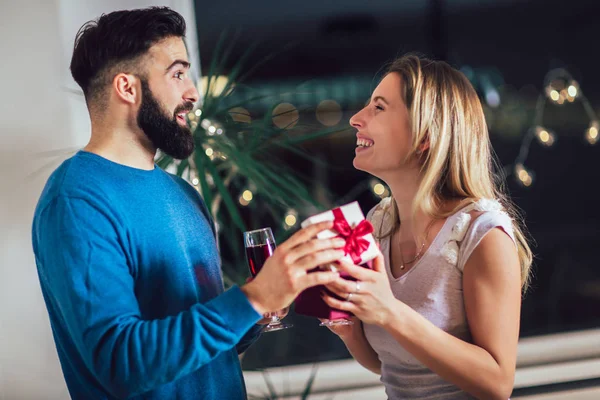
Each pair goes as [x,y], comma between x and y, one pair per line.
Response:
[369,298]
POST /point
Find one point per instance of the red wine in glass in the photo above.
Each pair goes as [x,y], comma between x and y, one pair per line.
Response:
[260,245]
[257,255]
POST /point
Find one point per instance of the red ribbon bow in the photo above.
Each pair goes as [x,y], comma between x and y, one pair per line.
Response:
[356,244]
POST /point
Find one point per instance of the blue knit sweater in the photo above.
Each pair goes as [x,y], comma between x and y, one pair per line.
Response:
[130,274]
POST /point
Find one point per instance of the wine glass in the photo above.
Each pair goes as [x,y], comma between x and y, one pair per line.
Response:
[339,321]
[260,245]
[336,322]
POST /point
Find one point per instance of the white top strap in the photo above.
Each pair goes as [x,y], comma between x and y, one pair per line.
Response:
[480,226]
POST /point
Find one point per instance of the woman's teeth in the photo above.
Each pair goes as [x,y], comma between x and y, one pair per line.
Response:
[364,142]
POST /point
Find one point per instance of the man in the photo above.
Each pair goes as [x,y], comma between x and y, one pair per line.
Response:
[126,252]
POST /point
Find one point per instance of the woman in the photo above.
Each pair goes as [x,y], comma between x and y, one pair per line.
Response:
[438,315]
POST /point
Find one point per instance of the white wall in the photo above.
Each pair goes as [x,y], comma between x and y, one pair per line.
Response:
[43,120]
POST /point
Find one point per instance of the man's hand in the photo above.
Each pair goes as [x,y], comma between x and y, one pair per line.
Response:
[285,273]
[267,317]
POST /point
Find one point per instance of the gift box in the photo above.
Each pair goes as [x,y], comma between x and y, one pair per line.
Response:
[350,224]
[360,249]
[310,303]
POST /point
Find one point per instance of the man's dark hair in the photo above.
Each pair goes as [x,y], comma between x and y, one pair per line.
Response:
[115,42]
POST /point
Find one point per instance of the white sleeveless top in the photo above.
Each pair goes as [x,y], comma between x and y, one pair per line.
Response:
[432,287]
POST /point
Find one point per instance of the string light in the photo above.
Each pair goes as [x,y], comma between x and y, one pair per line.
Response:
[525,177]
[192,119]
[240,114]
[545,136]
[198,112]
[210,179]
[573,89]
[206,123]
[591,134]
[492,97]
[195,181]
[378,188]
[211,127]
[329,112]
[291,219]
[217,85]
[559,87]
[247,195]
[285,116]
[209,151]
[243,201]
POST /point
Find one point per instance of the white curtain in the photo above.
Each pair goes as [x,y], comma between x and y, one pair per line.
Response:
[43,119]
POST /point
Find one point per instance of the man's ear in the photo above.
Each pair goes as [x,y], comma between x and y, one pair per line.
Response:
[126,87]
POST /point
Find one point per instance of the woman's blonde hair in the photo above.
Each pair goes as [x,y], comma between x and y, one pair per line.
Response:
[459,162]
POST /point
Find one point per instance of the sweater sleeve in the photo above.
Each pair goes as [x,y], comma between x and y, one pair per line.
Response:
[91,283]
[249,338]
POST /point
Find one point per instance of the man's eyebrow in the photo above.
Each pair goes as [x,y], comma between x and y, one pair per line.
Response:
[183,63]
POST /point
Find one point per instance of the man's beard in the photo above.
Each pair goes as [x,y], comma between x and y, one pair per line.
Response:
[164,132]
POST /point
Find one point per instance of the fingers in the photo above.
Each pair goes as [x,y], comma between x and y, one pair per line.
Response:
[313,246]
[305,234]
[345,289]
[324,257]
[282,313]
[339,304]
[357,272]
[342,286]
[379,263]
[317,278]
[342,293]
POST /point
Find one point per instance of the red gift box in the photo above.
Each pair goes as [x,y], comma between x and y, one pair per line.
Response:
[360,248]
[310,302]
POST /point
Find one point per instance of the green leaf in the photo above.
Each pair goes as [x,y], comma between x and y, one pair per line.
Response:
[235,71]
[287,184]
[270,386]
[242,103]
[201,158]
[164,161]
[227,199]
[312,136]
[311,381]
[183,164]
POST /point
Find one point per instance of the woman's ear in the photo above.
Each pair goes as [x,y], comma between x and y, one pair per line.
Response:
[423,147]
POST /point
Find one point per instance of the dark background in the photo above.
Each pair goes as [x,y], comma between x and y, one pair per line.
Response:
[514,44]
